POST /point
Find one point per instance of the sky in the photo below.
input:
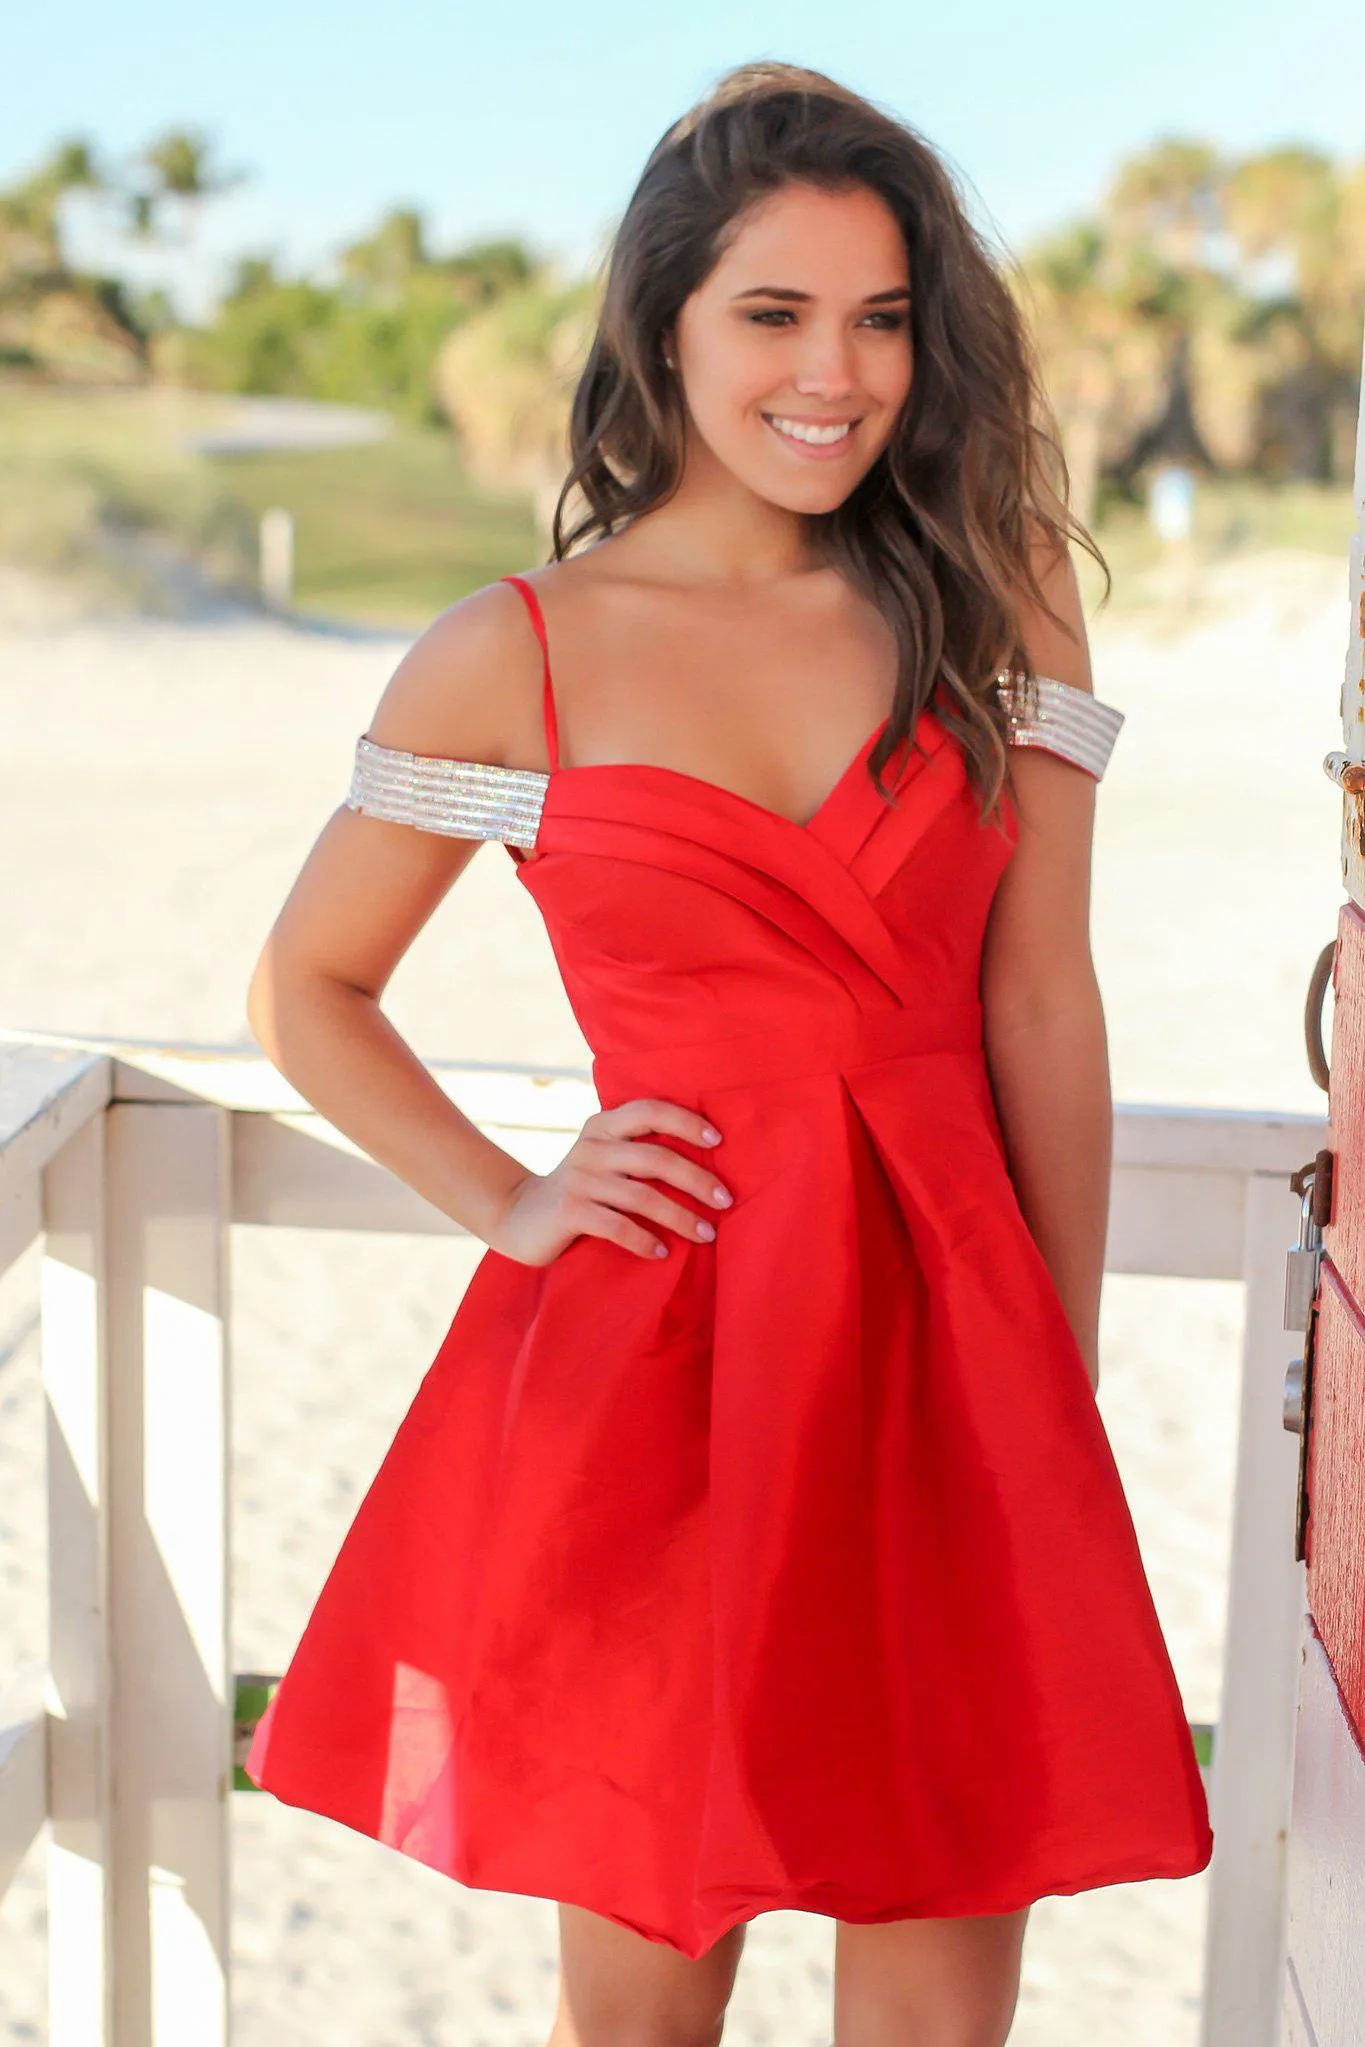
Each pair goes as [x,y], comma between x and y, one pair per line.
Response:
[537,121]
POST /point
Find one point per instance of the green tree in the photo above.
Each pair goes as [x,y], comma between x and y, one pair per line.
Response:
[386,260]
[1289,209]
[53,318]
[1090,345]
[1166,199]
[176,173]
[505,381]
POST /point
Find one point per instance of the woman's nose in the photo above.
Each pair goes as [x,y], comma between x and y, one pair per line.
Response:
[827,366]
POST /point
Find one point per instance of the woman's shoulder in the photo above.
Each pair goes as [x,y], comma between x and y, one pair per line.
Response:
[582,580]
[469,687]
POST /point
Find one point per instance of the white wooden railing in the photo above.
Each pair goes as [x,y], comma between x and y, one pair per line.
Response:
[131,1162]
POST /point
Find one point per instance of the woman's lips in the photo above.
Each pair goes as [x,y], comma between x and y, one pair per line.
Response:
[815,451]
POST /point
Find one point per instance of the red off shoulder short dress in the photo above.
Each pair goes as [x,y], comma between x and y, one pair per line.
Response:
[792,1569]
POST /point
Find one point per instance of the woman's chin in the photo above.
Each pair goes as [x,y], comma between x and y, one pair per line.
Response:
[811,495]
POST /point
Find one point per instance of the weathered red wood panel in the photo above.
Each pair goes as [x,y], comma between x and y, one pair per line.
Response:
[1336,1490]
[1336,1450]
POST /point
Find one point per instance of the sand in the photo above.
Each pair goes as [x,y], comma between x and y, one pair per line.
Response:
[159,786]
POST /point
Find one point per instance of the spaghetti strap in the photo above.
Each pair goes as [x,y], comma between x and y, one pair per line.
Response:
[547,692]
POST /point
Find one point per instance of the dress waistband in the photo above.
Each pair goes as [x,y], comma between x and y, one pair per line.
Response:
[823,1044]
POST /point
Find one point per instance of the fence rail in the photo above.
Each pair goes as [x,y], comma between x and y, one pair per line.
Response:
[131,1162]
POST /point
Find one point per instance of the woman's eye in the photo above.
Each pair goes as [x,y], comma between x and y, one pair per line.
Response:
[888,322]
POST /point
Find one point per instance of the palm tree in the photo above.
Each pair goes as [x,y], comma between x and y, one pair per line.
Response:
[1291,217]
[30,226]
[383,262]
[1163,218]
[178,168]
[1082,330]
[1167,199]
[51,318]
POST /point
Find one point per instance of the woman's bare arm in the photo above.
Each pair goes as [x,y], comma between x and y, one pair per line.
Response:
[1046,1045]
[365,891]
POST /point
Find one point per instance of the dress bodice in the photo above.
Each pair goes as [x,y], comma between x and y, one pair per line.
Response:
[682,913]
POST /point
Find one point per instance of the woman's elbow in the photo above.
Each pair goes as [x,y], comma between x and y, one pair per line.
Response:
[292,1003]
[261,1005]
[276,999]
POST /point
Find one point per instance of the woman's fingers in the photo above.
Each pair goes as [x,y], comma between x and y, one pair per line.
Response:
[617,1161]
[645,1113]
[621,1191]
[647,1161]
[598,1220]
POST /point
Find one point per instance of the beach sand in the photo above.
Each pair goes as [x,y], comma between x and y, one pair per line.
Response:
[160,784]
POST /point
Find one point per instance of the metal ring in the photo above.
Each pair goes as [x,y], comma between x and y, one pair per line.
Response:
[1318,983]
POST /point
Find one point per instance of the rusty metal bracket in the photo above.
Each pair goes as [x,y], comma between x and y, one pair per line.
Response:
[1349,777]
[1316,1177]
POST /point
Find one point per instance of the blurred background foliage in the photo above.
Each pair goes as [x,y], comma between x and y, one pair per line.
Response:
[1207,312]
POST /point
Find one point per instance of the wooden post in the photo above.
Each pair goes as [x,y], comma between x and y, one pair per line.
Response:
[1254,1752]
[1324,1989]
[171,1733]
[277,557]
[75,1383]
[1324,1979]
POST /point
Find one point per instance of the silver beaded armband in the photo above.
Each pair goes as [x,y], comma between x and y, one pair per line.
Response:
[1060,718]
[462,799]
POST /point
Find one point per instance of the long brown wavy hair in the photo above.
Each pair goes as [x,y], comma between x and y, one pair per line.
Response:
[940,532]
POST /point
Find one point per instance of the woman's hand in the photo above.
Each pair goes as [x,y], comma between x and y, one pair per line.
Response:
[604,1173]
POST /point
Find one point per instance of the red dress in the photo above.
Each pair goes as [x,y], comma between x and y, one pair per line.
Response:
[793,1569]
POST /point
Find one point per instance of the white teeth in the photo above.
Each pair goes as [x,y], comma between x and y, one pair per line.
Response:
[819,436]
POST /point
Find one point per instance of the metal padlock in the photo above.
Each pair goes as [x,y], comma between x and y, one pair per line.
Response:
[1301,1264]
[1314,1183]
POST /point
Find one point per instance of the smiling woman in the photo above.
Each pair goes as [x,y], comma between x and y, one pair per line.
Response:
[822,319]
[753,1540]
[781,379]
[827,435]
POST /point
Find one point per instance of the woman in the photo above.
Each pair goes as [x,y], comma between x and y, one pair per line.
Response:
[753,1540]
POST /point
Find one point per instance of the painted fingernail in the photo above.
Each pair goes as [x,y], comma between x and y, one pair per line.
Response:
[722,1196]
[710,1136]
[661,1250]
[707,1230]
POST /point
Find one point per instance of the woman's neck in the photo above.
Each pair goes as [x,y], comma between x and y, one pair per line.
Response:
[715,531]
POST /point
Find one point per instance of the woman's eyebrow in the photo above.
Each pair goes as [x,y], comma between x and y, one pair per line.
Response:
[782,291]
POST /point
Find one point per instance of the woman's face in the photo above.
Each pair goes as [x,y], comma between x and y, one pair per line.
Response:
[795,353]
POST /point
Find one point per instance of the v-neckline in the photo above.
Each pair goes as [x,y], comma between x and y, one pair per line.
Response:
[779,818]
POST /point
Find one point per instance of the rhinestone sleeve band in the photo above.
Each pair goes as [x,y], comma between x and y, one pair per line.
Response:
[462,799]
[1060,718]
